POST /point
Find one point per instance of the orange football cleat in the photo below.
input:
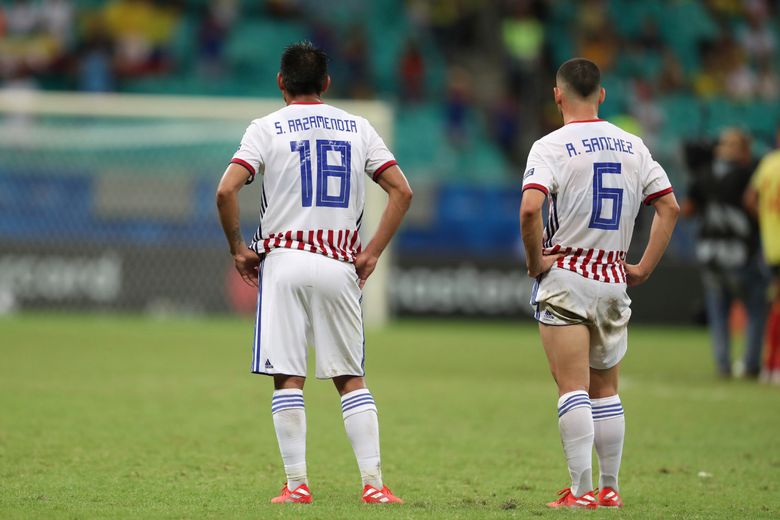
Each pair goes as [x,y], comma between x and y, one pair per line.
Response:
[300,495]
[608,497]
[586,501]
[372,495]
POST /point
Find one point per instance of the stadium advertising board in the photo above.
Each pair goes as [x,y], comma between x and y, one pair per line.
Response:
[174,279]
[431,288]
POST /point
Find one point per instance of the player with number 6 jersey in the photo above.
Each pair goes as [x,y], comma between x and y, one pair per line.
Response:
[594,177]
[307,261]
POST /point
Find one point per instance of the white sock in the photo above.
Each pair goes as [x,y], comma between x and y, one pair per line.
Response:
[290,425]
[576,425]
[609,426]
[362,425]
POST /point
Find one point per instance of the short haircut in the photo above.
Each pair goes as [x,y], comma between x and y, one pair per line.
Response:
[582,76]
[304,69]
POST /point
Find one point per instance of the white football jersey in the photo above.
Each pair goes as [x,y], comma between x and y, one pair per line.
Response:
[313,158]
[595,176]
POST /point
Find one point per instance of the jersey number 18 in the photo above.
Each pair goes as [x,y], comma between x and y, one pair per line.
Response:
[340,169]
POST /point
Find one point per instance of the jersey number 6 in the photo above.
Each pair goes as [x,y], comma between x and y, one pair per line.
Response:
[611,222]
[340,153]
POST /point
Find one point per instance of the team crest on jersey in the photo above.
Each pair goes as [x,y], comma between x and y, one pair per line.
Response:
[528,173]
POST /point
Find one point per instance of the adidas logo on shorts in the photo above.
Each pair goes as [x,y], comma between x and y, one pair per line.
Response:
[268,364]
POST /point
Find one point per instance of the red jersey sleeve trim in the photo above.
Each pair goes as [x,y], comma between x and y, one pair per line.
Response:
[650,198]
[382,168]
[241,162]
[539,187]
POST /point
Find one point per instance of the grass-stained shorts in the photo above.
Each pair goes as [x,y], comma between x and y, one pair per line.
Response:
[563,297]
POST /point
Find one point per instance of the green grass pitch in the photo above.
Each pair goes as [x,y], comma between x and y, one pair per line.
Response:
[122,417]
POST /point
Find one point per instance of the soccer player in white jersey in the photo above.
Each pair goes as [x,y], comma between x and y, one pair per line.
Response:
[307,260]
[594,177]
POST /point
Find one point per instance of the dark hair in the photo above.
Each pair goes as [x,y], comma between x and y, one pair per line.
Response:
[583,76]
[304,69]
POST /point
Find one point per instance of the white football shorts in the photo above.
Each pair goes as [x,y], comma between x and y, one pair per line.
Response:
[563,297]
[308,300]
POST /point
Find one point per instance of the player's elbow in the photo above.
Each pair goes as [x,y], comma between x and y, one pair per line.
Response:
[224,195]
[673,208]
[403,195]
[528,212]
[406,194]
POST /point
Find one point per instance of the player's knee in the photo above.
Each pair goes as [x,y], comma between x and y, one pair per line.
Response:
[347,384]
[602,392]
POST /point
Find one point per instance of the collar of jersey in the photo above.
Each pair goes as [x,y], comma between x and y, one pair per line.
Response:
[307,103]
[586,121]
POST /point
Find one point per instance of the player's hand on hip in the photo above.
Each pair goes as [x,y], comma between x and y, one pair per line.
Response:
[635,274]
[247,263]
[545,265]
[365,263]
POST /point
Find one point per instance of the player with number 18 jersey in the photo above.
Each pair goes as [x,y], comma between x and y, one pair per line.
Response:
[313,159]
[307,261]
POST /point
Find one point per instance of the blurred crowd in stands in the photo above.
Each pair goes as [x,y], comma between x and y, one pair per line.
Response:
[487,67]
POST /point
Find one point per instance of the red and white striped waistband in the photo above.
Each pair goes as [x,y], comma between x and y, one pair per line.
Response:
[596,264]
[341,244]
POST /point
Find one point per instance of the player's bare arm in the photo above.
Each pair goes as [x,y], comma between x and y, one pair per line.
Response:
[531,228]
[666,213]
[750,201]
[399,198]
[245,259]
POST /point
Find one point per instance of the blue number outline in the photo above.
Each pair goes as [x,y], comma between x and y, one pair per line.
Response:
[304,150]
[326,170]
[600,194]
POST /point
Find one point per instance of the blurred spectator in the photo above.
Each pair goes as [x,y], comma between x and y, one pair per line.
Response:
[601,47]
[755,36]
[57,20]
[140,31]
[357,63]
[452,23]
[22,18]
[644,107]
[741,81]
[505,124]
[457,105]
[728,248]
[763,199]
[522,35]
[411,69]
[284,8]
[95,67]
[650,37]
[672,77]
[767,86]
[709,81]
[212,37]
